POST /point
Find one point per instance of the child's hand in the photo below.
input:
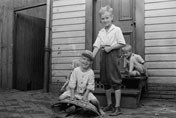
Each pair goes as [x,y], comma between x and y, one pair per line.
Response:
[72,98]
[85,98]
[107,49]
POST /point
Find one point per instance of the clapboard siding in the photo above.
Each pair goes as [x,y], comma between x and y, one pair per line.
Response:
[68,21]
[74,53]
[62,3]
[69,15]
[160,40]
[160,57]
[69,40]
[161,5]
[69,8]
[160,27]
[68,36]
[161,65]
[69,27]
[68,47]
[152,1]
[160,50]
[155,35]
[60,60]
[159,13]
[161,79]
[160,20]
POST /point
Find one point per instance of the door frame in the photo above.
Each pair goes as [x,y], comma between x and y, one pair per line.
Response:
[139,16]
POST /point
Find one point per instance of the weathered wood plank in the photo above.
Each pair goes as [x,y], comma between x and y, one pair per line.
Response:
[59,79]
[160,5]
[68,47]
[154,35]
[159,20]
[161,79]
[161,27]
[162,12]
[68,34]
[60,73]
[69,8]
[156,50]
[74,27]
[73,53]
[162,72]
[79,20]
[67,2]
[160,65]
[160,42]
[63,60]
[160,57]
[69,40]
[69,15]
[61,66]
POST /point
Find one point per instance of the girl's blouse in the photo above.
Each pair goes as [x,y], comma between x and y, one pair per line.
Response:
[109,38]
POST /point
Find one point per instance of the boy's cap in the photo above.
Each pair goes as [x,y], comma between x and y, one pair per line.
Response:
[88,54]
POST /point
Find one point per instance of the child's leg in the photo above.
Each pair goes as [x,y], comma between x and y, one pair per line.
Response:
[65,95]
[108,97]
[117,97]
[108,93]
[134,73]
[96,103]
[116,111]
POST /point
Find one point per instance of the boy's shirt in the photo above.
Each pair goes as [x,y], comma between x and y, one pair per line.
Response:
[136,59]
[80,81]
[110,38]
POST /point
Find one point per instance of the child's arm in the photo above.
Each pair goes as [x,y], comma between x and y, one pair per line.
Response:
[85,97]
[95,51]
[131,67]
[72,93]
[116,46]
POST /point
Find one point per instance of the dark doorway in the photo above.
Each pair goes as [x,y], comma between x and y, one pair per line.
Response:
[29,43]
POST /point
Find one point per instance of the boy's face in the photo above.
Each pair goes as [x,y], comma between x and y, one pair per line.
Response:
[106,19]
[86,62]
[127,54]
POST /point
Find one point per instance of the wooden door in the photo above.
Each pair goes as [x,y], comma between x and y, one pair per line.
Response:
[29,52]
[123,11]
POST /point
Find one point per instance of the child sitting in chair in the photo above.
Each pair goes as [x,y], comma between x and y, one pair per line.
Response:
[133,63]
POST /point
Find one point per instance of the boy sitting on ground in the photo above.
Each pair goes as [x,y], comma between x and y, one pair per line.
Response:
[82,82]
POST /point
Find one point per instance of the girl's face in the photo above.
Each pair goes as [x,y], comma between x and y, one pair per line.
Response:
[106,19]
[85,63]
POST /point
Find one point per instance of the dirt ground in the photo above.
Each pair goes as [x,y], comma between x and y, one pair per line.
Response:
[37,104]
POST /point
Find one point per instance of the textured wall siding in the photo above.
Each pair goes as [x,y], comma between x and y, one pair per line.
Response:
[160,40]
[68,35]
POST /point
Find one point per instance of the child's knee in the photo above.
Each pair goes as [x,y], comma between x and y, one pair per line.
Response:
[134,73]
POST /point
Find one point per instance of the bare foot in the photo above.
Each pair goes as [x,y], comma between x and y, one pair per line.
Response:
[102,113]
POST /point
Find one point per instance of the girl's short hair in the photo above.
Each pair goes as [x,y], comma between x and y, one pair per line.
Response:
[127,47]
[105,9]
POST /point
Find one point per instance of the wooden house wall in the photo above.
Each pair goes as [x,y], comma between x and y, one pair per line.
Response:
[7,8]
[160,47]
[68,36]
[160,40]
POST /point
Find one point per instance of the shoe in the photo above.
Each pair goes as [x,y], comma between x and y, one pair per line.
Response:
[108,108]
[116,112]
